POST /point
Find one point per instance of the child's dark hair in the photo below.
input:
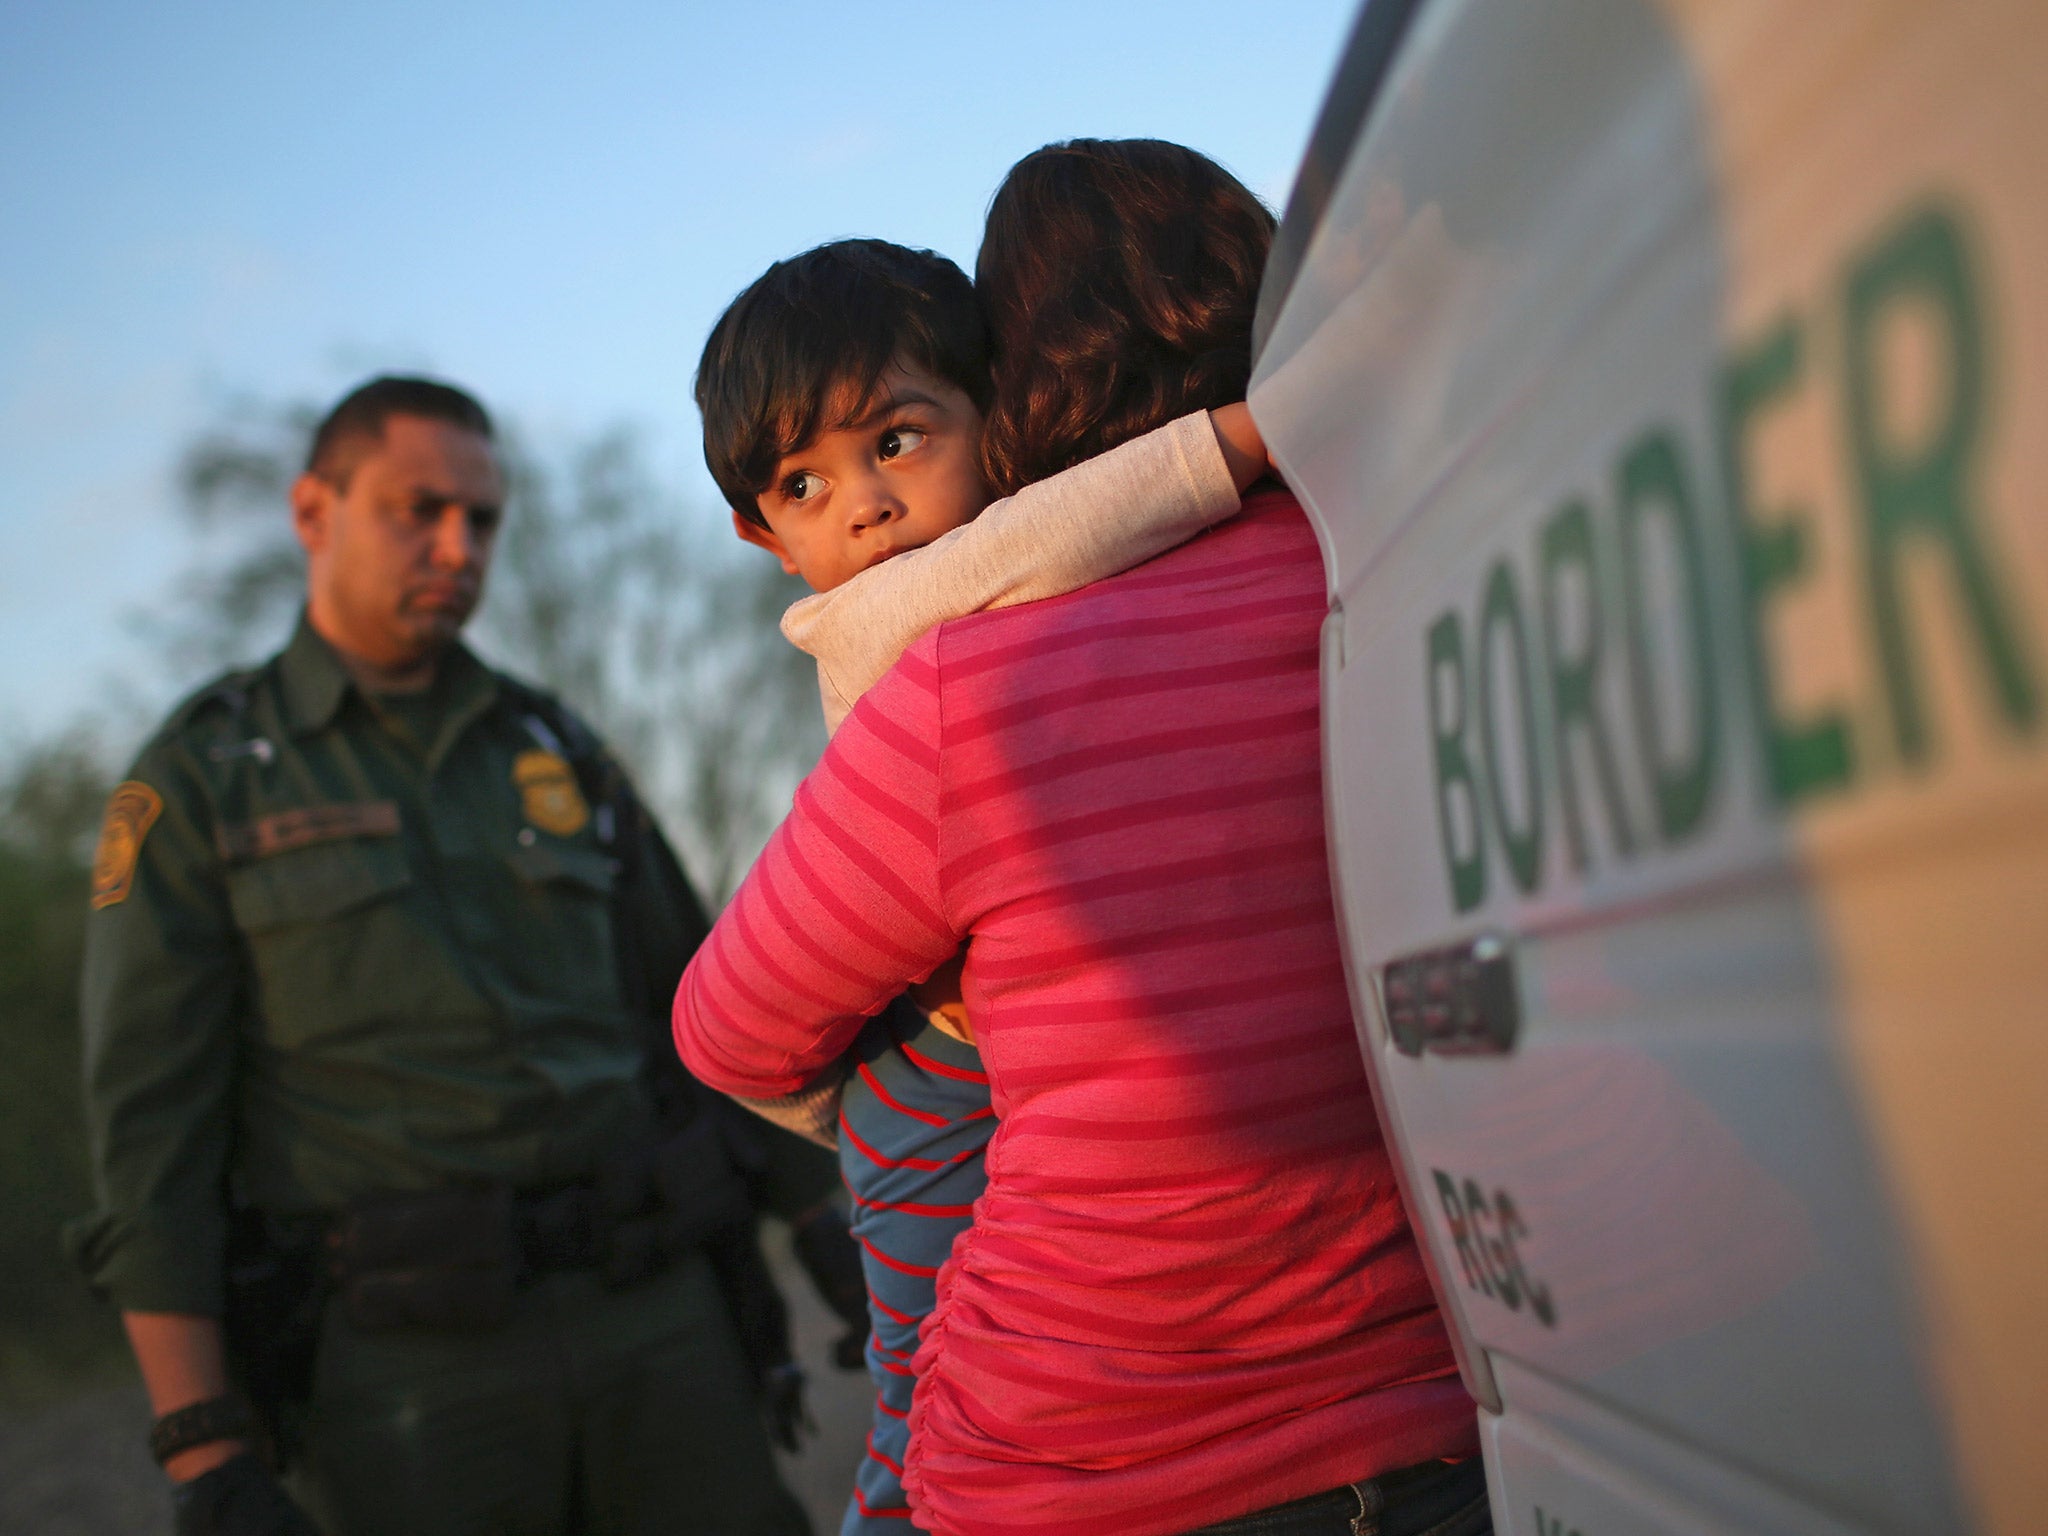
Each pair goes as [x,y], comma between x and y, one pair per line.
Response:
[801,350]
[1119,278]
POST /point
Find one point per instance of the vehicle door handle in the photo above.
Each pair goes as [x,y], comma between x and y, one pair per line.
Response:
[1460,1000]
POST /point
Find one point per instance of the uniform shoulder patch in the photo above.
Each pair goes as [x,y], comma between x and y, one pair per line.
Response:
[131,811]
[548,794]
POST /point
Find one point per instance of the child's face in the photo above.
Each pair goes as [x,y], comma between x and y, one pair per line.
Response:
[906,470]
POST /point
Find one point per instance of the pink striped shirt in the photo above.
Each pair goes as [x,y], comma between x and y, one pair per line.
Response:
[1190,1290]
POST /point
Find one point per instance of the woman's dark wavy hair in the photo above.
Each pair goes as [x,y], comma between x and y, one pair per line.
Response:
[1119,277]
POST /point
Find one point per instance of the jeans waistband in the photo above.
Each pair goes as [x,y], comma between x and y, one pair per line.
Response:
[1433,1498]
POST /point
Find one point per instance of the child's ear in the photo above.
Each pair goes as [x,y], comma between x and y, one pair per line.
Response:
[763,538]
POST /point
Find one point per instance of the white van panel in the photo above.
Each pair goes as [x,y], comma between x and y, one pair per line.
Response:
[1669,388]
[1545,1486]
[1560,1465]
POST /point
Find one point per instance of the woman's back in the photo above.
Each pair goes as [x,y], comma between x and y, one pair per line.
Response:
[1191,1290]
[1191,1272]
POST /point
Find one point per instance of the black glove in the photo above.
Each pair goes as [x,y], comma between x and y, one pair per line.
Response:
[782,1398]
[825,1247]
[240,1497]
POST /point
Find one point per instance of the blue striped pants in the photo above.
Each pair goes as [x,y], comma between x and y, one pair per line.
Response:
[913,1125]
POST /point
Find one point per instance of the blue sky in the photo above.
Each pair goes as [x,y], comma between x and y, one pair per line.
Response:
[552,206]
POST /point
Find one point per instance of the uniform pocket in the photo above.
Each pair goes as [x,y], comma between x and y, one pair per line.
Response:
[557,910]
[334,945]
[570,864]
[311,885]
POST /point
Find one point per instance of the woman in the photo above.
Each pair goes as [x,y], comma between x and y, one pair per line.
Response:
[1190,1291]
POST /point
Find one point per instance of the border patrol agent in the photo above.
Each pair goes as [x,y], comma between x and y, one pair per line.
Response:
[367,1068]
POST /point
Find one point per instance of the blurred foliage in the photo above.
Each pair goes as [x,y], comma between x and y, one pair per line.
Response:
[52,1334]
[657,626]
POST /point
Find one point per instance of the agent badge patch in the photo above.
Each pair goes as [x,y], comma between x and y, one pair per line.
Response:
[131,812]
[548,793]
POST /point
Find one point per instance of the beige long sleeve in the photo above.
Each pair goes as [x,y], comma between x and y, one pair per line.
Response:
[1115,511]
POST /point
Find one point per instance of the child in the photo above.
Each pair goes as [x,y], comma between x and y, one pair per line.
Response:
[842,397]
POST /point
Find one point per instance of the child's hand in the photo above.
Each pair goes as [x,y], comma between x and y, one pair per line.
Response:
[1244,447]
[938,995]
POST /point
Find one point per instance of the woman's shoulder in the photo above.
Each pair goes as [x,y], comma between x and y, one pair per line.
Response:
[1271,527]
[1269,497]
[1269,545]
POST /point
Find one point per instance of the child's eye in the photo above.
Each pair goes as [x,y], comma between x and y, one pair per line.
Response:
[898,441]
[801,486]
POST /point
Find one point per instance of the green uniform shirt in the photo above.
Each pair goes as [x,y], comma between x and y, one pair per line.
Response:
[342,945]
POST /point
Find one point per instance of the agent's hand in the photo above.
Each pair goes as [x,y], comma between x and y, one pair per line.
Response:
[782,1398]
[938,998]
[826,1249]
[240,1497]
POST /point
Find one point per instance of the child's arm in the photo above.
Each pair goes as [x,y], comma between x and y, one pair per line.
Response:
[1118,510]
[938,997]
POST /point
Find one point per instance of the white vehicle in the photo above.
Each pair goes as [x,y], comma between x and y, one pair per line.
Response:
[1668,383]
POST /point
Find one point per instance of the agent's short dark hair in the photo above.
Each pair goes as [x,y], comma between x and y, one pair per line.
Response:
[1119,278]
[801,350]
[356,424]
